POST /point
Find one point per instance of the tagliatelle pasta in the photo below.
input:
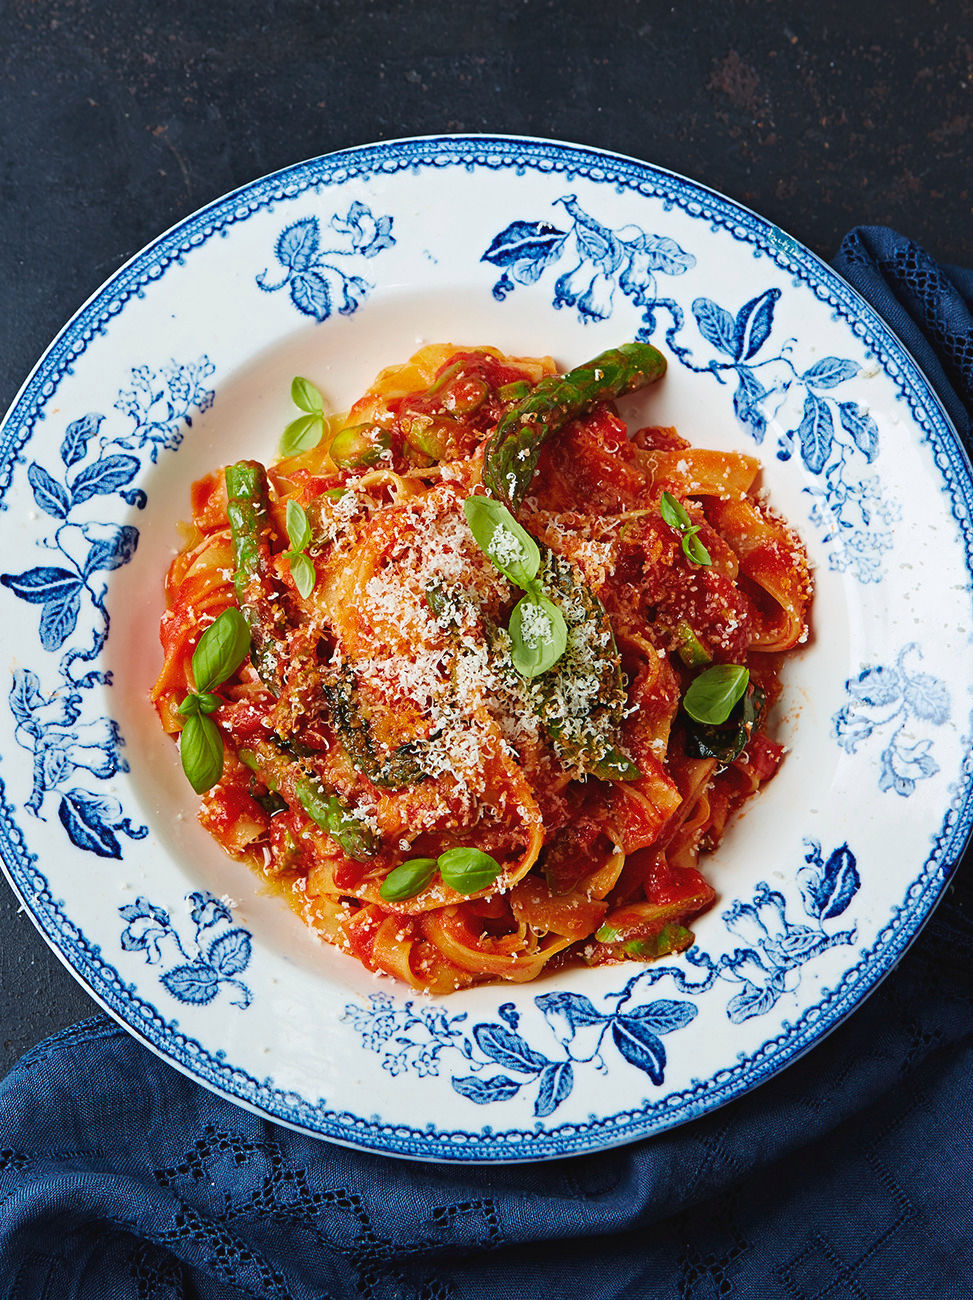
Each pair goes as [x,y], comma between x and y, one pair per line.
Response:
[506,669]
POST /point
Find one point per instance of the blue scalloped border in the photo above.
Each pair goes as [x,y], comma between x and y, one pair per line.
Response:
[624,173]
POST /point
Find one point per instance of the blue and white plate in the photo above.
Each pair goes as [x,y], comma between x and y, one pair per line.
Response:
[333,269]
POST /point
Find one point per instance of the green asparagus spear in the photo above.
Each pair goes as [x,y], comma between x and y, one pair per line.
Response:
[580,701]
[281,775]
[327,810]
[400,768]
[592,669]
[329,696]
[247,509]
[513,450]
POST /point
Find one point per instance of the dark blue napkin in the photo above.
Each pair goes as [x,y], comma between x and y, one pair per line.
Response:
[848,1176]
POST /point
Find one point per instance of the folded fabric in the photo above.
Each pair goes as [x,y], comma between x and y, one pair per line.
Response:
[928,305]
[846,1176]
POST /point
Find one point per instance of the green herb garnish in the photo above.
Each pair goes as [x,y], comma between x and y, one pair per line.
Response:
[299,536]
[538,632]
[499,536]
[711,696]
[464,870]
[468,870]
[726,743]
[308,429]
[408,879]
[201,751]
[675,515]
[221,650]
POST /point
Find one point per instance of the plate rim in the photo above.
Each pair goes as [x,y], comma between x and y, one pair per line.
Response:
[491,1145]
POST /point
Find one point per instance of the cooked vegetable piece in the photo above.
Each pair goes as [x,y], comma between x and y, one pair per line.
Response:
[253,581]
[514,447]
[328,812]
[689,647]
[670,939]
[280,773]
[398,769]
[359,445]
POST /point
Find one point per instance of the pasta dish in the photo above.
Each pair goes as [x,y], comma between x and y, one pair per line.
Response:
[472,675]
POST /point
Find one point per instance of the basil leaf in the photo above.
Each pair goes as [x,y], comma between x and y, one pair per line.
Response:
[408,879]
[676,516]
[503,540]
[221,650]
[728,742]
[305,396]
[694,549]
[538,634]
[201,751]
[711,696]
[302,434]
[189,706]
[303,573]
[674,512]
[298,528]
[468,870]
[208,703]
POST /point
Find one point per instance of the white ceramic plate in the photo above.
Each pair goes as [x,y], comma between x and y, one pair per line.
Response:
[334,269]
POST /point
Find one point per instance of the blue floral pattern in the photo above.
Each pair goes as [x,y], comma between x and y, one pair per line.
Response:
[409,1037]
[777,947]
[313,278]
[628,259]
[831,433]
[413,1038]
[70,594]
[217,953]
[900,702]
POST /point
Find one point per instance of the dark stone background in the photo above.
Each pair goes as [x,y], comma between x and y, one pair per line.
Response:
[120,117]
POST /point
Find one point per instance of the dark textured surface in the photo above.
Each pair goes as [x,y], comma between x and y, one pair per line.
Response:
[120,117]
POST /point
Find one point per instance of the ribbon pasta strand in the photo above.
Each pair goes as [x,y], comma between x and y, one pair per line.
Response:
[396,728]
